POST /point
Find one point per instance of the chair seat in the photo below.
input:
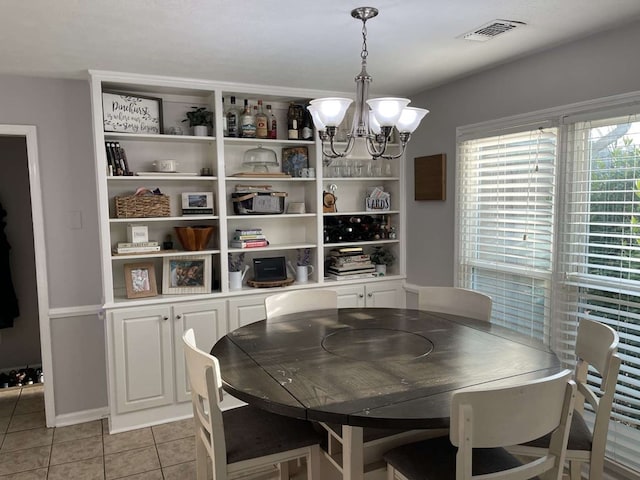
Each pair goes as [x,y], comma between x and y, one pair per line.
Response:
[251,433]
[435,459]
[579,436]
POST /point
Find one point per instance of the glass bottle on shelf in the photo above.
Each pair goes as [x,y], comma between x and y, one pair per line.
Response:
[233,119]
[262,129]
[225,127]
[247,122]
[307,124]
[292,121]
[272,124]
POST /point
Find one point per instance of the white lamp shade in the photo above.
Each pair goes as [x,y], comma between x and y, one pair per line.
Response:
[331,111]
[373,124]
[316,118]
[387,110]
[410,118]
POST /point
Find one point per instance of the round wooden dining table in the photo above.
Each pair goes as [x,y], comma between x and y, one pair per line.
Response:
[372,367]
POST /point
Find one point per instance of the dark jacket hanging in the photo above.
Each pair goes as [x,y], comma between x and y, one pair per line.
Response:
[8,300]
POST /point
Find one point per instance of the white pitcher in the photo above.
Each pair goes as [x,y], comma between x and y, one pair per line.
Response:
[236,278]
[303,272]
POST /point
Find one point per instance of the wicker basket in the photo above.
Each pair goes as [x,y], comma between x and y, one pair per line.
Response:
[140,206]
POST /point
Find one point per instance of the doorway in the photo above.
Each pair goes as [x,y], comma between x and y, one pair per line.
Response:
[21,141]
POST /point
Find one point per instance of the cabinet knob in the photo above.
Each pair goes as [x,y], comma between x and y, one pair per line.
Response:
[369,295]
[178,317]
[165,318]
[360,295]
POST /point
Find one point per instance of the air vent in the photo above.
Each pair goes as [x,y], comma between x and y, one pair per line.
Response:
[491,30]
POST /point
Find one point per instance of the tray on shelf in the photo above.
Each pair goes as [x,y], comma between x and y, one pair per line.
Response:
[273,283]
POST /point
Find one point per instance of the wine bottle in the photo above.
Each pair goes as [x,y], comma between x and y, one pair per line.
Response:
[247,122]
[225,126]
[262,129]
[292,121]
[272,124]
[307,124]
[233,119]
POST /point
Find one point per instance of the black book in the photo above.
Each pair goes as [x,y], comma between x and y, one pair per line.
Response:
[111,163]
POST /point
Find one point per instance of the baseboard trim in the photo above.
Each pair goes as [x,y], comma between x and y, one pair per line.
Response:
[83,416]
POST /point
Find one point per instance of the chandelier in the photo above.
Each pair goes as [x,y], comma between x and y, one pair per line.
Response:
[373,119]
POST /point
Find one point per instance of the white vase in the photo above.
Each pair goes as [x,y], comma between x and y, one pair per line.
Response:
[200,130]
[381,270]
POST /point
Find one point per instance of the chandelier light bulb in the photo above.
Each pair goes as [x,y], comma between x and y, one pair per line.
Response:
[387,110]
[331,111]
[410,118]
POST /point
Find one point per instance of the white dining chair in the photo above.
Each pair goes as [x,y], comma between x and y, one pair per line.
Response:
[455,301]
[483,421]
[299,301]
[596,346]
[243,439]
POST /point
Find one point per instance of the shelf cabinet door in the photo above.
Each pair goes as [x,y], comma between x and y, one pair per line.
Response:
[384,295]
[246,310]
[350,296]
[142,359]
[209,323]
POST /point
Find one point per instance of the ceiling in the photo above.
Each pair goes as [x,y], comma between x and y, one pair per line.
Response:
[412,44]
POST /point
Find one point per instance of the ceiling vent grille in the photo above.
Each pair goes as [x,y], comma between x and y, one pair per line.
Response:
[492,30]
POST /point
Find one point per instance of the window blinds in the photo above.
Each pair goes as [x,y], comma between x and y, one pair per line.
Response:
[506,191]
[599,258]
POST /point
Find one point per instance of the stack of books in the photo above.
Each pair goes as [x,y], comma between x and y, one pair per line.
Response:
[349,263]
[249,238]
[117,164]
[136,247]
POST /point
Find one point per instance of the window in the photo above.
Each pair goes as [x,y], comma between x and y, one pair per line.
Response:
[506,192]
[548,225]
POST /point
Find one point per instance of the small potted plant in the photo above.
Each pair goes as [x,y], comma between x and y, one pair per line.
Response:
[304,257]
[383,258]
[200,119]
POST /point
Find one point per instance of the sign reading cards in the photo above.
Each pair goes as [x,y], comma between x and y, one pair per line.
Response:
[122,112]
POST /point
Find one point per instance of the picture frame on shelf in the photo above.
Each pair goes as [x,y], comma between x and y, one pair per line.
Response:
[294,159]
[131,113]
[140,280]
[197,203]
[186,274]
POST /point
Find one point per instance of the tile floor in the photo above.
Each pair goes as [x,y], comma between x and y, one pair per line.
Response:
[30,451]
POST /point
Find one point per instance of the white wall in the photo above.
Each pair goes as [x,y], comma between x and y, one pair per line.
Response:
[19,345]
[60,109]
[599,66]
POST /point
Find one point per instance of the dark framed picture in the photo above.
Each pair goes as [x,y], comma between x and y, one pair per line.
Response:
[131,113]
[294,159]
[186,274]
[140,280]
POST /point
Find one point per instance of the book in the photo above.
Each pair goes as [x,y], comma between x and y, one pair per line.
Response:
[137,244]
[342,273]
[249,243]
[137,249]
[197,211]
[352,276]
[346,251]
[248,231]
[352,266]
[257,236]
[347,259]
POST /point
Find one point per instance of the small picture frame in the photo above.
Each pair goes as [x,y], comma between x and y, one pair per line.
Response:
[140,280]
[131,113]
[294,159]
[186,274]
[197,203]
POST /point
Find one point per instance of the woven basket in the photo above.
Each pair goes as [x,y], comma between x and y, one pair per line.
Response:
[139,206]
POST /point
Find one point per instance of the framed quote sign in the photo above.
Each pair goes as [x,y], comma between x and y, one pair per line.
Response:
[128,113]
